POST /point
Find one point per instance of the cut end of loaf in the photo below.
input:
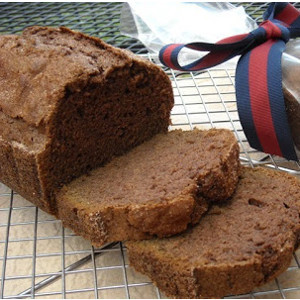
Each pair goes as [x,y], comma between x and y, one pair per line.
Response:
[79,102]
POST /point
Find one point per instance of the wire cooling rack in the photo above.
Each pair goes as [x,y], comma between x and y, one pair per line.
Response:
[41,259]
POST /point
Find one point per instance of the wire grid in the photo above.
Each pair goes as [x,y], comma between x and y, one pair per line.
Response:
[93,18]
[41,259]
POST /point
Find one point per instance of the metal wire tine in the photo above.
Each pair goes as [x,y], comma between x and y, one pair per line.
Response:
[95,273]
[158,293]
[273,161]
[6,244]
[279,288]
[297,260]
[63,275]
[271,166]
[181,97]
[257,9]
[124,271]
[298,165]
[32,222]
[269,156]
[203,102]
[71,267]
[34,254]
[268,293]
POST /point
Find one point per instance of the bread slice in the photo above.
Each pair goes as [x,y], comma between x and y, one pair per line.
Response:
[237,245]
[70,103]
[157,188]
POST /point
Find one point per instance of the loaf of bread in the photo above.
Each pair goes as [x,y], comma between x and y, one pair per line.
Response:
[70,103]
[236,246]
[293,112]
[291,87]
[158,188]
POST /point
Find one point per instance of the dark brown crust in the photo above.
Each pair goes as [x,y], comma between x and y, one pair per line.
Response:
[58,87]
[18,170]
[103,223]
[215,282]
[131,223]
[211,275]
[293,113]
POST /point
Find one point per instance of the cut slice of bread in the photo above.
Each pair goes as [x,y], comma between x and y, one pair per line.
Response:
[158,188]
[236,246]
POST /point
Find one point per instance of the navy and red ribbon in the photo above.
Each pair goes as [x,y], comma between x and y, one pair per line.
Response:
[259,92]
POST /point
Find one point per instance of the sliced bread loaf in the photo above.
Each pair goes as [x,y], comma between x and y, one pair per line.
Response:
[68,104]
[237,245]
[158,188]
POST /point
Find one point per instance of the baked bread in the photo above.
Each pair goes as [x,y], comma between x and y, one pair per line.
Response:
[70,103]
[293,113]
[290,87]
[158,188]
[237,245]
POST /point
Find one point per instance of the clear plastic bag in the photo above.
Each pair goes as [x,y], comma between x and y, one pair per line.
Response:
[157,24]
[291,88]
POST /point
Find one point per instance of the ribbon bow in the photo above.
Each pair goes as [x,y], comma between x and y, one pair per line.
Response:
[259,93]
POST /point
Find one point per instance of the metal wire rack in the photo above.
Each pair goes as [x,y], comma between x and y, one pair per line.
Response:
[41,259]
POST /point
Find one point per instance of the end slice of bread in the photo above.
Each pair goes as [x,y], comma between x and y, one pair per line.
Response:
[237,245]
[157,189]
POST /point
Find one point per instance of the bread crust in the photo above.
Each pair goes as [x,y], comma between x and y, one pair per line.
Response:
[236,254]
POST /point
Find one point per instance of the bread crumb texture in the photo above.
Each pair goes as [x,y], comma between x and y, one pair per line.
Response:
[237,246]
[156,189]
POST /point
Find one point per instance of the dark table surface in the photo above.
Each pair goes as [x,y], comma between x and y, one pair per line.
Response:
[94,18]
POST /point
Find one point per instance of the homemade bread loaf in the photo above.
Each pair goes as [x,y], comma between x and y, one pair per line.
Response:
[70,103]
[290,63]
[293,112]
[158,188]
[237,245]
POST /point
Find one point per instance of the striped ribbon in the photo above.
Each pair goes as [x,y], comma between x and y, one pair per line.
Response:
[259,93]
